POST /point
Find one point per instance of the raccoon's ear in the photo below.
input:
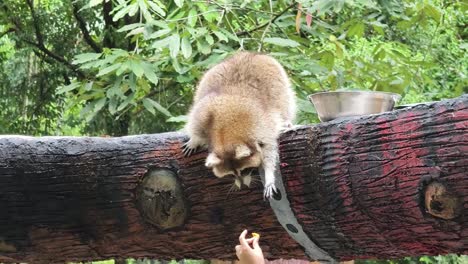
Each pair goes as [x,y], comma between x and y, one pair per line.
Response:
[242,151]
[212,160]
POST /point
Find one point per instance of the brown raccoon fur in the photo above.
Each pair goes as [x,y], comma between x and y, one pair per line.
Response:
[240,107]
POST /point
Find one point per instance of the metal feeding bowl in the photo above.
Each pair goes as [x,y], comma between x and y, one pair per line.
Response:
[333,105]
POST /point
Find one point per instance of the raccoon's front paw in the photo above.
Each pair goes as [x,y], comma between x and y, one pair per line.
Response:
[189,148]
[269,190]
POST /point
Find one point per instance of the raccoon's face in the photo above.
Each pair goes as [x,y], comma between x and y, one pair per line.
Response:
[239,162]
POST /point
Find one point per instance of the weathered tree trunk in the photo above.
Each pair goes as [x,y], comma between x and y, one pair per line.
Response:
[381,186]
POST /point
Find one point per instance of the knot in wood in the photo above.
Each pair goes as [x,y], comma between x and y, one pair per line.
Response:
[160,199]
[440,202]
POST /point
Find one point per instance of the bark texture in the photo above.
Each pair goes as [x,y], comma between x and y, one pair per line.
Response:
[381,186]
[364,188]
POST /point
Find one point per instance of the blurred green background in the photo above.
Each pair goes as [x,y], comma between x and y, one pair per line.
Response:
[130,67]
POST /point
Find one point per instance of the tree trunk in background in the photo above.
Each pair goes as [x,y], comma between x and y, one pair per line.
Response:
[381,186]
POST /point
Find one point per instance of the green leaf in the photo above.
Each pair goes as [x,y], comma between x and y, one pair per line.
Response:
[356,29]
[211,15]
[203,46]
[144,10]
[108,69]
[159,33]
[125,66]
[186,47]
[156,8]
[159,23]
[132,82]
[149,73]
[122,12]
[305,106]
[339,50]
[281,42]
[136,31]
[322,6]
[185,78]
[179,3]
[327,60]
[93,3]
[130,27]
[212,60]
[209,39]
[177,119]
[432,12]
[136,68]
[89,86]
[192,17]
[175,64]
[133,10]
[85,111]
[396,81]
[162,43]
[100,104]
[220,36]
[85,57]
[116,89]
[112,105]
[67,88]
[404,25]
[229,34]
[126,102]
[174,45]
[156,105]
[147,104]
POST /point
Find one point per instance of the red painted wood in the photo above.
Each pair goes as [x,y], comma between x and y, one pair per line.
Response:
[356,185]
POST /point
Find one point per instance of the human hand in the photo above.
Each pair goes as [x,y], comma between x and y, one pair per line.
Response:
[249,254]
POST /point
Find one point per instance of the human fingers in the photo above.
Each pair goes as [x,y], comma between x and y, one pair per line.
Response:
[242,240]
[249,240]
[255,242]
[238,250]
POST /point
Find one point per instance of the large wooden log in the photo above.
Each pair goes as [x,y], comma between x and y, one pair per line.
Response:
[381,186]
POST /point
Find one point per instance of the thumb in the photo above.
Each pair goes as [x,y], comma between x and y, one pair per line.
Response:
[238,251]
[255,243]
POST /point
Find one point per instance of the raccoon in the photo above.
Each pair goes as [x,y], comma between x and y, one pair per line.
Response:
[241,105]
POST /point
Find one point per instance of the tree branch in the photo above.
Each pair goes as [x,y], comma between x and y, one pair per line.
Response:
[6,32]
[108,24]
[242,33]
[84,30]
[39,37]
[56,57]
[40,42]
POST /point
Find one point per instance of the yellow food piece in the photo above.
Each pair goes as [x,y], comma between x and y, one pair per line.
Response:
[255,235]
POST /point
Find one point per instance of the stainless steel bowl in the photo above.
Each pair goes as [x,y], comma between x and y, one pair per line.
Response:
[332,105]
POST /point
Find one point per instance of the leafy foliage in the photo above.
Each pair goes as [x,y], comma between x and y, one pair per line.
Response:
[131,66]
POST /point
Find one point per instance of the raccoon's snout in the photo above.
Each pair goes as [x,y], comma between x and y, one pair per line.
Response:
[243,177]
